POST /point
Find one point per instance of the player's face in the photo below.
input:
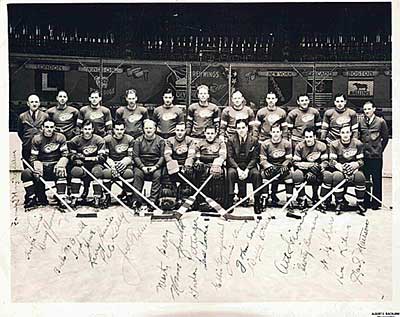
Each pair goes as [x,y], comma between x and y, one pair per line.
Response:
[62,98]
[210,135]
[33,102]
[276,133]
[131,99]
[237,99]
[94,99]
[119,131]
[242,129]
[345,134]
[309,138]
[303,102]
[271,100]
[149,129]
[48,128]
[180,131]
[203,94]
[168,99]
[87,131]
[340,102]
[369,110]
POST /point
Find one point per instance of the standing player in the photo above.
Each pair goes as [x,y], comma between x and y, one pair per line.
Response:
[49,160]
[64,116]
[335,118]
[374,135]
[201,114]
[168,116]
[132,114]
[119,150]
[231,114]
[302,117]
[29,124]
[268,116]
[87,150]
[98,114]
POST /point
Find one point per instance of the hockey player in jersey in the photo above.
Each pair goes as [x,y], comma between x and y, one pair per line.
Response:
[201,114]
[64,116]
[310,160]
[276,158]
[119,150]
[179,150]
[268,116]
[243,155]
[49,158]
[98,114]
[231,114]
[335,118]
[132,114]
[87,150]
[148,155]
[302,117]
[209,157]
[346,158]
[168,116]
[29,124]
[374,134]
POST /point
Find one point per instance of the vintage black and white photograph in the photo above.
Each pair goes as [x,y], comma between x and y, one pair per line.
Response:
[200,152]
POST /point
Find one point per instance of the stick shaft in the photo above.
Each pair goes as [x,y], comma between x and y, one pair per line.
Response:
[378,200]
[328,195]
[294,196]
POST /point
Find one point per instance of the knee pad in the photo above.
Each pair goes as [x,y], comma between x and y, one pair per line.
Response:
[127,174]
[337,177]
[26,175]
[298,176]
[327,177]
[359,178]
[107,174]
[77,172]
[97,171]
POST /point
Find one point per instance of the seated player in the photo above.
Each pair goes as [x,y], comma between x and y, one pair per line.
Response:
[87,150]
[243,153]
[346,159]
[148,155]
[310,160]
[119,150]
[210,155]
[49,154]
[276,158]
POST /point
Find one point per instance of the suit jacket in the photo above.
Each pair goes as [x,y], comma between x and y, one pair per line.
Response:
[251,152]
[27,128]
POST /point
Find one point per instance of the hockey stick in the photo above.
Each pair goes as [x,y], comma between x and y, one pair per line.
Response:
[107,190]
[379,201]
[294,196]
[49,187]
[328,195]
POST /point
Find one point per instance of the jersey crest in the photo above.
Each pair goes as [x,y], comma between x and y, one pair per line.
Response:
[278,153]
[273,118]
[205,113]
[66,116]
[95,115]
[181,149]
[313,156]
[134,117]
[50,147]
[343,120]
[348,153]
[90,149]
[307,117]
[169,116]
[120,148]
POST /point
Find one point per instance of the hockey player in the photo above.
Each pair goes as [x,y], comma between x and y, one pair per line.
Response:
[132,114]
[302,117]
[267,116]
[201,114]
[210,155]
[335,118]
[346,158]
[148,155]
[49,160]
[310,160]
[119,150]
[87,150]
[231,114]
[29,124]
[374,135]
[168,116]
[98,114]
[276,158]
[243,154]
[64,116]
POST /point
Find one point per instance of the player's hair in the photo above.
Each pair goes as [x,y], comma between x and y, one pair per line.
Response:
[271,92]
[48,119]
[308,129]
[211,127]
[202,87]
[169,91]
[150,121]
[61,90]
[33,94]
[242,121]
[130,91]
[235,92]
[369,102]
[181,123]
[118,122]
[304,94]
[276,125]
[95,91]
[87,122]
[340,94]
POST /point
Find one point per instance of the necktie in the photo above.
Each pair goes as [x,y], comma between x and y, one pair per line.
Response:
[34,116]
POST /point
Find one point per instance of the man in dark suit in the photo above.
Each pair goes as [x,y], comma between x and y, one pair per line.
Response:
[243,153]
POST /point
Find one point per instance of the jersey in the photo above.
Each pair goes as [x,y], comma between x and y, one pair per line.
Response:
[199,117]
[65,119]
[347,153]
[90,148]
[275,153]
[298,119]
[334,120]
[312,154]
[211,152]
[149,152]
[266,118]
[100,116]
[117,149]
[133,119]
[49,149]
[167,119]
[230,115]
[180,150]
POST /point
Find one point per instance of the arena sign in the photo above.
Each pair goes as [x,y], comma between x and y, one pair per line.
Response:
[361,88]
[49,67]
